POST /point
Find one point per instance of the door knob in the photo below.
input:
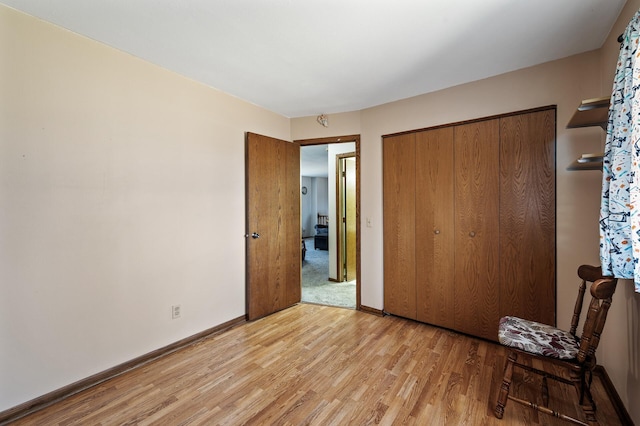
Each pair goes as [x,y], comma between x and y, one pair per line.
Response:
[472,234]
[437,231]
[255,235]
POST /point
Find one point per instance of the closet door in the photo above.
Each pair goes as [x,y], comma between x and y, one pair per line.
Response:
[399,176]
[434,226]
[527,216]
[477,266]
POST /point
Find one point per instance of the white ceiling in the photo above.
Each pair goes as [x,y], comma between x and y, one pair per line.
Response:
[314,161]
[307,57]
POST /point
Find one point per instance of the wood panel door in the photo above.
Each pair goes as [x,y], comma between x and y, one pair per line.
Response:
[435,226]
[527,216]
[399,189]
[477,203]
[350,222]
[273,225]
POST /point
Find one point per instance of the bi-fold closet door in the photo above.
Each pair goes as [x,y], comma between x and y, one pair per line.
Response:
[469,222]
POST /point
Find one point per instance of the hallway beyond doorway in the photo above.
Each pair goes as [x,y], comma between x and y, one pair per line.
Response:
[316,287]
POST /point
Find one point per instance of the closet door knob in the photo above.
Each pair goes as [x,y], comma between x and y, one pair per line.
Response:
[437,231]
[472,234]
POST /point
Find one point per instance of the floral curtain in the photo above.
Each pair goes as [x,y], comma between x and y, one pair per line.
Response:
[619,216]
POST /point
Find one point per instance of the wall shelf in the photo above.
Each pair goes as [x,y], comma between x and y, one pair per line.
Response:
[590,113]
[593,165]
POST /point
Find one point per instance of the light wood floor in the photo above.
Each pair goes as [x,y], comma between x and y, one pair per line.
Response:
[320,365]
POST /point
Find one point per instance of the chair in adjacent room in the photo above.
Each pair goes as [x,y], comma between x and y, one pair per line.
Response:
[321,239]
[528,341]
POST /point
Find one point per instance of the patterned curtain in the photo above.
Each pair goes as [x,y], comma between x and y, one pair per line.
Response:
[619,216]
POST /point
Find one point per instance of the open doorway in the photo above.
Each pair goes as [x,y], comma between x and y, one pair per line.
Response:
[329,270]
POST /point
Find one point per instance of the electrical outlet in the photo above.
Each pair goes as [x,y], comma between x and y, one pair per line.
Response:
[175,311]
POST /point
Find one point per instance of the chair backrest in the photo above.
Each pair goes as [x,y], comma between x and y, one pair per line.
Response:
[602,289]
[323,219]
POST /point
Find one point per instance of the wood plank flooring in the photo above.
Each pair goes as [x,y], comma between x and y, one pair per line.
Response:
[318,365]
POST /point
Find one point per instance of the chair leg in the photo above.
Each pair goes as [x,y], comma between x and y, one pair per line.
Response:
[506,384]
[584,394]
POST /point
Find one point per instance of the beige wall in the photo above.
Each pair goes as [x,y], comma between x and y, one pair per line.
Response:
[344,124]
[121,194]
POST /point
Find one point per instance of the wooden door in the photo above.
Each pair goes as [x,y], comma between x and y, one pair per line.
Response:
[477,266]
[434,227]
[273,225]
[399,172]
[350,198]
[527,216]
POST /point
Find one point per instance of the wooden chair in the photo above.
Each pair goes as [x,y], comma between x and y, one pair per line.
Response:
[321,238]
[323,219]
[528,341]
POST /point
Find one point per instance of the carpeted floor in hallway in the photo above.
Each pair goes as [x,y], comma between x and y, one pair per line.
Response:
[316,287]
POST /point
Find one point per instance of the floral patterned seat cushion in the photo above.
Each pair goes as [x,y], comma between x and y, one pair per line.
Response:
[537,338]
